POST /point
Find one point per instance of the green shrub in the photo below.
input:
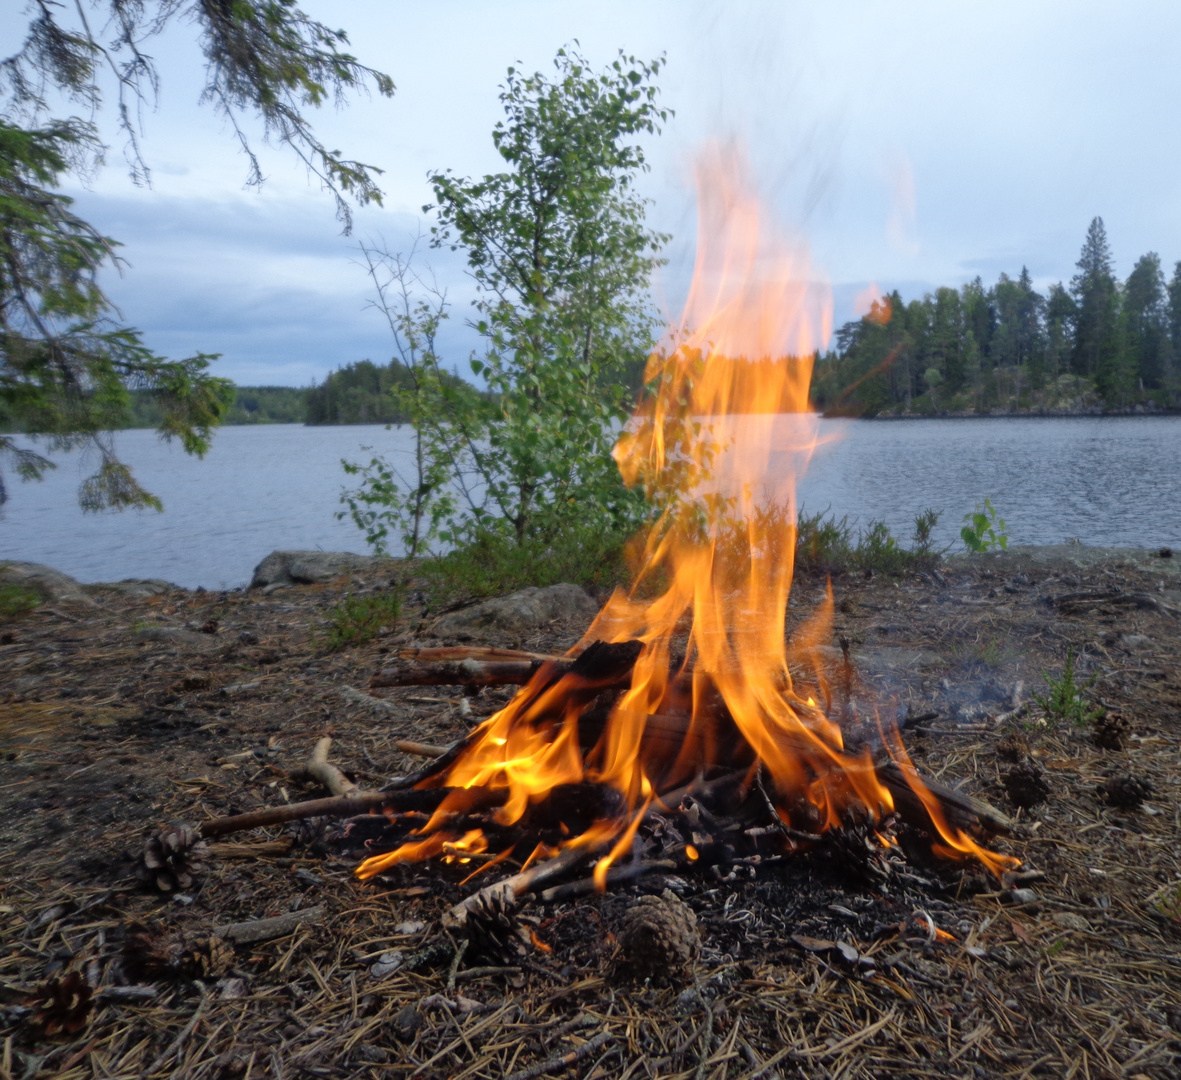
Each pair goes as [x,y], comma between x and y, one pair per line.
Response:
[358,619]
[983,530]
[1064,701]
[493,564]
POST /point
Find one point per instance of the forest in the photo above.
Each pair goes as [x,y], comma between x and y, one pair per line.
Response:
[1096,345]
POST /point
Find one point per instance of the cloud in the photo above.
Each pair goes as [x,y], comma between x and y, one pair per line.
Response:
[270,284]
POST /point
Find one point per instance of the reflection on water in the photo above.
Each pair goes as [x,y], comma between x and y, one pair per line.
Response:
[1112,481]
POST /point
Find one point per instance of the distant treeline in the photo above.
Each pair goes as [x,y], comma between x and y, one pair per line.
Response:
[360,393]
[1096,344]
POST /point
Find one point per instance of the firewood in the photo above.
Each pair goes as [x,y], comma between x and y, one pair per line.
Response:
[519,884]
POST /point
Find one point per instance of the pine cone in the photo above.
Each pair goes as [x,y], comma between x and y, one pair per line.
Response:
[857,849]
[494,933]
[1111,730]
[174,859]
[1013,747]
[1026,784]
[62,1006]
[659,940]
[1126,791]
[153,954]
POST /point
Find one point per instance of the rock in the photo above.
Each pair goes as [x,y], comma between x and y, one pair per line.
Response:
[518,612]
[176,637]
[306,567]
[1068,920]
[135,586]
[51,585]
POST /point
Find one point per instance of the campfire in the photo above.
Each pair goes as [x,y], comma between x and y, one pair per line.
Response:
[686,728]
[695,728]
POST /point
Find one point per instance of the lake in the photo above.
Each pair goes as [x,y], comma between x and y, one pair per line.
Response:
[1102,480]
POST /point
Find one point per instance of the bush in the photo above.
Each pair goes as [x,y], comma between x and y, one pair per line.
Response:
[358,619]
[493,564]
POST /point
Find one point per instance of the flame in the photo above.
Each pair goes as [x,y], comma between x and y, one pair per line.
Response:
[718,446]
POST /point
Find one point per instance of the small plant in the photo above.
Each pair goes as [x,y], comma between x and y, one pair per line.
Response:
[358,619]
[1065,702]
[16,600]
[924,528]
[983,530]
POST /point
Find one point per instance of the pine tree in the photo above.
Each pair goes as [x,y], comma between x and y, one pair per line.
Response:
[1175,325]
[1097,350]
[1146,323]
[1060,319]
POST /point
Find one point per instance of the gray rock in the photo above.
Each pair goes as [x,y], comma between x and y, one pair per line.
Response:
[306,567]
[518,612]
[177,637]
[140,587]
[51,585]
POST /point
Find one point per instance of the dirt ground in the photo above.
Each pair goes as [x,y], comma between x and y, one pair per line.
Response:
[112,725]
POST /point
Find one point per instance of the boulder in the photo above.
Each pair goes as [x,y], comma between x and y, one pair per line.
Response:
[518,612]
[306,567]
[51,585]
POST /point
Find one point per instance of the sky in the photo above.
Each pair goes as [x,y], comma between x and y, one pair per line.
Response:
[911,145]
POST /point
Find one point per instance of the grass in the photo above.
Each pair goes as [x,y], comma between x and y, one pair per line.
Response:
[15,601]
[358,619]
[827,544]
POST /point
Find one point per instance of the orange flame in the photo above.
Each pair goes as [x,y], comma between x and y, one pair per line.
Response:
[718,446]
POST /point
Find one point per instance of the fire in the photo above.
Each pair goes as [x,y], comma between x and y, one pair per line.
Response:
[718,446]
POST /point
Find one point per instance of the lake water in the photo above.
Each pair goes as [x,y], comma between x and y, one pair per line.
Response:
[1102,480]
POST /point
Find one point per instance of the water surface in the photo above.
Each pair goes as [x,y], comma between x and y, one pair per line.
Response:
[1103,480]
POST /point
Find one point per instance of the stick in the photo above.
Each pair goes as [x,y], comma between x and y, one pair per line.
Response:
[346,806]
[173,1047]
[357,698]
[246,933]
[321,769]
[252,851]
[517,885]
[564,1061]
[461,672]
[614,876]
[419,749]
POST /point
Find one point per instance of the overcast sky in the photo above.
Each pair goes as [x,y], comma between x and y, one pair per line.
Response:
[914,144]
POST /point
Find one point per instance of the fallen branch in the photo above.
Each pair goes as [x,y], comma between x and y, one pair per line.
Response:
[513,887]
[247,933]
[564,1061]
[467,672]
[357,698]
[346,806]
[321,769]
